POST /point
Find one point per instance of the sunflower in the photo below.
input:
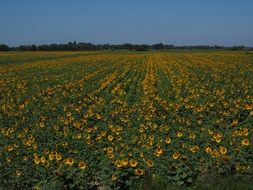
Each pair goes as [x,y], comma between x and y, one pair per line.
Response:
[245,131]
[118,163]
[8,159]
[69,161]
[245,142]
[194,148]
[110,155]
[51,157]
[179,134]
[141,130]
[42,159]
[223,150]
[41,125]
[248,107]
[159,151]
[235,122]
[168,140]
[208,150]
[217,137]
[133,163]
[57,173]
[109,149]
[114,177]
[192,136]
[139,171]
[18,173]
[125,162]
[58,157]
[78,136]
[176,155]
[82,165]
[37,160]
[110,137]
[150,163]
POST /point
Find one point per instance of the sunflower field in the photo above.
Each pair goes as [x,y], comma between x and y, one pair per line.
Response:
[110,120]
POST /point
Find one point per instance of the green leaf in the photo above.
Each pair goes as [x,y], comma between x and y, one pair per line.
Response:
[179,183]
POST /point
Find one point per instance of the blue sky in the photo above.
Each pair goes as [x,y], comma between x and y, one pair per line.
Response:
[179,22]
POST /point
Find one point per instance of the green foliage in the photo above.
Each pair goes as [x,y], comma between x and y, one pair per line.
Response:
[125,120]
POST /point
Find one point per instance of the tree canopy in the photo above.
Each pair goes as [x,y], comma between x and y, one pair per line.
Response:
[74,46]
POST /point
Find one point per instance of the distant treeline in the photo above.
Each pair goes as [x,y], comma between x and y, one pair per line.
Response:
[74,46]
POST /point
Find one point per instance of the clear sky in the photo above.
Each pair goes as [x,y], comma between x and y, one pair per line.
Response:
[178,22]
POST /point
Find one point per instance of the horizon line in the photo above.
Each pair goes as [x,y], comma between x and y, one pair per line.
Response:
[112,44]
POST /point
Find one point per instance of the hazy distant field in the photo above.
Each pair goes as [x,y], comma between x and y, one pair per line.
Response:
[118,119]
